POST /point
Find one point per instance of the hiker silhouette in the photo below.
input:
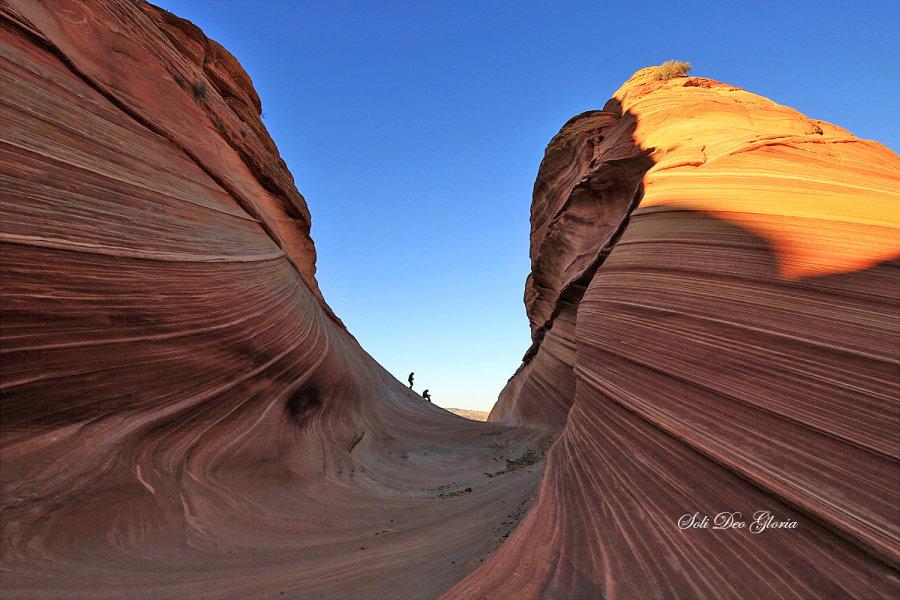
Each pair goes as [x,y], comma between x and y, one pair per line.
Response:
[411,380]
[426,395]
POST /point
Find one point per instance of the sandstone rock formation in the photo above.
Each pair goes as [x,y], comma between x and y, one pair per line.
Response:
[182,415]
[713,301]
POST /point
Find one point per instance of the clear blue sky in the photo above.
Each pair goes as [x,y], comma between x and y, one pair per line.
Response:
[415,130]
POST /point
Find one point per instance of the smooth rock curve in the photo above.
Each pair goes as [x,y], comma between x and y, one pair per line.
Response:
[182,414]
[733,347]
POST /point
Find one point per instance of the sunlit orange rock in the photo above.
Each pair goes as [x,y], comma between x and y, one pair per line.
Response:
[825,201]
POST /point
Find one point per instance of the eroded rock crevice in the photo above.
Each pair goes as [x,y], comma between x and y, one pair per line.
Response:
[589,183]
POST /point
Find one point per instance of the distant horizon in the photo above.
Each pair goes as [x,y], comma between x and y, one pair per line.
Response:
[415,132]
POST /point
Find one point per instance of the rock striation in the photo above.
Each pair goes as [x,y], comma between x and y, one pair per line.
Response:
[713,302]
[182,414]
[714,321]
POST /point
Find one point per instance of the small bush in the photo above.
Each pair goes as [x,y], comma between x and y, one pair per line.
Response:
[672,69]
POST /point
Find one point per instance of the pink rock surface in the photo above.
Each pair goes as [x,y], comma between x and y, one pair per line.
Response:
[182,415]
[713,308]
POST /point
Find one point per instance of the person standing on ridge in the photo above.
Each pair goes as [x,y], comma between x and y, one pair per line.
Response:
[426,395]
[411,380]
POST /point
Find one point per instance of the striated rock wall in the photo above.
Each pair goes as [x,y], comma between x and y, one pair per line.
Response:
[182,416]
[735,349]
[589,182]
[713,309]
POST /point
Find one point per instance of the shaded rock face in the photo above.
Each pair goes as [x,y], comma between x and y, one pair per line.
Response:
[182,415]
[589,183]
[734,349]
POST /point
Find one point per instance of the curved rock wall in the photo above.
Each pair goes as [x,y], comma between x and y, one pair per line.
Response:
[182,415]
[589,182]
[736,351]
[713,309]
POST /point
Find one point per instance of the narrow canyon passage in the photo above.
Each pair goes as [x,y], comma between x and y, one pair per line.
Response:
[183,415]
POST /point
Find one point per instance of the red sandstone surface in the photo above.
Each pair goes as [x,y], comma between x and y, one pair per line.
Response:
[182,417]
[712,302]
